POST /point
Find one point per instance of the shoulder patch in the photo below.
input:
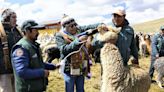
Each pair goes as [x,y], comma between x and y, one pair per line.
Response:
[19,52]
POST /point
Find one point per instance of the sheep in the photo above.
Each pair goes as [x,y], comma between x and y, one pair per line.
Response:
[116,77]
[159,67]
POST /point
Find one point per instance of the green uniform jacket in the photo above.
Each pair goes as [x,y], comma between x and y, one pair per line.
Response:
[33,84]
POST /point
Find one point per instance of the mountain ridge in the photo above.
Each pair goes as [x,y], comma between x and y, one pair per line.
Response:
[149,26]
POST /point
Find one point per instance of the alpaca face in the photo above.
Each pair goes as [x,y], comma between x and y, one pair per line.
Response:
[108,34]
[102,29]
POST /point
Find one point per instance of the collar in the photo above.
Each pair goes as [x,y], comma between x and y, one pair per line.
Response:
[34,44]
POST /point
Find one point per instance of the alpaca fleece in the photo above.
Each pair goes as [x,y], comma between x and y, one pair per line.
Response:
[119,78]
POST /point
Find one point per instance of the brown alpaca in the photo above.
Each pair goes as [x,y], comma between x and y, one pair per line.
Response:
[148,43]
[117,77]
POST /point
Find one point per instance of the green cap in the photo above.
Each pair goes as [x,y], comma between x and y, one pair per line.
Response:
[31,24]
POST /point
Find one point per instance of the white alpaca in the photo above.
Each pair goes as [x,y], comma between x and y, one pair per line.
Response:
[116,77]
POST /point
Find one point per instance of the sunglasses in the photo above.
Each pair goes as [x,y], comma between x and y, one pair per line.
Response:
[71,25]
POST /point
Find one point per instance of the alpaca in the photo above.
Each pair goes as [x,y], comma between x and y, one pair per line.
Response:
[51,52]
[159,67]
[145,44]
[116,77]
[147,38]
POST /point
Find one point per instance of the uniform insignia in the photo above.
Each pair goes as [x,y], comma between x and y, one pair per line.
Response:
[19,52]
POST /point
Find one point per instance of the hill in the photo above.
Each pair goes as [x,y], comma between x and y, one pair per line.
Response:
[150,26]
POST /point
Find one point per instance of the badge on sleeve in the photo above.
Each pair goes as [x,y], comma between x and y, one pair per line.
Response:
[19,52]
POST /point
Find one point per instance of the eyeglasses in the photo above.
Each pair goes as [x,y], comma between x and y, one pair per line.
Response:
[72,25]
[75,24]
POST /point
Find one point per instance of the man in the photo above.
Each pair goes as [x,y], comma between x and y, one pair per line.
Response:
[9,35]
[126,41]
[68,42]
[29,69]
[157,49]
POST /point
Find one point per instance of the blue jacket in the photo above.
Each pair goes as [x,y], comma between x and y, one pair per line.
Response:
[125,43]
[157,45]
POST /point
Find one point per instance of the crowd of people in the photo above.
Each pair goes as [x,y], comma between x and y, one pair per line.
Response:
[22,68]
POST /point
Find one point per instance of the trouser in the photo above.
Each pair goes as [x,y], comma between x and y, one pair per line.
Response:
[96,55]
[151,69]
[7,83]
[70,81]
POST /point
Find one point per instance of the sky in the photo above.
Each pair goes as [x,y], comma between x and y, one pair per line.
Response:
[84,11]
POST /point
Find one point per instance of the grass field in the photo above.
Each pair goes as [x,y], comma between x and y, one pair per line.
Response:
[150,26]
[56,83]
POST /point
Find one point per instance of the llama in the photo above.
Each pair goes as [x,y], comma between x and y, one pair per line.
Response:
[116,77]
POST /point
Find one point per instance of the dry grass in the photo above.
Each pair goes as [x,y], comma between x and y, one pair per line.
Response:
[150,26]
[56,83]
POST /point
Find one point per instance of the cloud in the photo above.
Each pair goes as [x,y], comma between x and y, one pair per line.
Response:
[2,0]
[141,5]
[144,10]
[86,11]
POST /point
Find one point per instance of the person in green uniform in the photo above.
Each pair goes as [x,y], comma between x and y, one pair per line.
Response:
[30,71]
